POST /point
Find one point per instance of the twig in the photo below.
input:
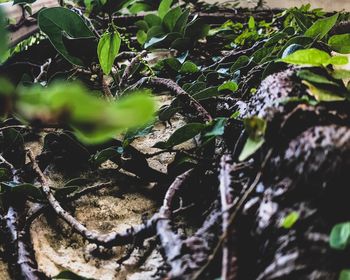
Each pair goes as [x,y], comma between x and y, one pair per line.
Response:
[171,242]
[233,216]
[107,240]
[185,98]
[228,271]
[43,70]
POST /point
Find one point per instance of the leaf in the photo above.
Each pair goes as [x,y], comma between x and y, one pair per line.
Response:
[188,68]
[108,49]
[106,154]
[251,146]
[340,236]
[181,135]
[289,221]
[22,189]
[340,74]
[56,21]
[218,128]
[164,7]
[171,17]
[206,93]
[182,22]
[230,85]
[239,63]
[93,119]
[153,20]
[321,94]
[340,43]
[315,78]
[309,57]
[251,23]
[338,60]
[321,27]
[141,36]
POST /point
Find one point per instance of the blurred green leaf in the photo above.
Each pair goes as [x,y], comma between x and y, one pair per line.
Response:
[340,236]
[93,119]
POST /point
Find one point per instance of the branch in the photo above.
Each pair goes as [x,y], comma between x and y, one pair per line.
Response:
[185,98]
[130,67]
[107,240]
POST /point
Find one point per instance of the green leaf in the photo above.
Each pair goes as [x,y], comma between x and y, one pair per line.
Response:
[321,27]
[106,154]
[22,189]
[93,119]
[251,146]
[315,78]
[164,7]
[139,7]
[188,68]
[338,60]
[141,36]
[340,236]
[218,128]
[340,74]
[182,22]
[309,57]
[239,63]
[171,18]
[230,85]
[181,135]
[251,23]
[108,49]
[289,221]
[206,93]
[153,20]
[55,22]
[322,94]
[340,43]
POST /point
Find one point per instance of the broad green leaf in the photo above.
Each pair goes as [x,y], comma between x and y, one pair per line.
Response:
[164,7]
[322,94]
[251,146]
[309,57]
[139,7]
[340,236]
[21,189]
[171,18]
[55,22]
[93,119]
[181,22]
[315,78]
[239,63]
[289,221]
[340,43]
[189,67]
[181,135]
[321,27]
[153,20]
[108,49]
[3,38]
[230,85]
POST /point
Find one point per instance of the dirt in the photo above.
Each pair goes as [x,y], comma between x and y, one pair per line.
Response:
[118,208]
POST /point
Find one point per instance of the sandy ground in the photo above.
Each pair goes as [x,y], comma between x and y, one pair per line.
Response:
[118,208]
